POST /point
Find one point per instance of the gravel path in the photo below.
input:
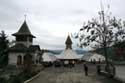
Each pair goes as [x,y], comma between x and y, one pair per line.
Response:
[73,75]
[120,72]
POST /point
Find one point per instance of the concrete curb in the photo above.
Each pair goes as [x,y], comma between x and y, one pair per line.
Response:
[106,74]
[32,78]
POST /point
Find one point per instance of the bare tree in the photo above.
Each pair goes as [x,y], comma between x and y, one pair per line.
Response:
[102,32]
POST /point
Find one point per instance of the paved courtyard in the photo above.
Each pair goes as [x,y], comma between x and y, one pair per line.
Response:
[73,75]
[120,74]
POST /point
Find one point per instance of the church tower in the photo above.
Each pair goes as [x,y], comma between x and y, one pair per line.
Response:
[68,43]
[24,35]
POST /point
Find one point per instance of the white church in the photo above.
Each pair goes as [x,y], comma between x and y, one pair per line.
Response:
[67,55]
[24,51]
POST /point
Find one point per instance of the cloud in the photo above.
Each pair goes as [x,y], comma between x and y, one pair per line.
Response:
[51,20]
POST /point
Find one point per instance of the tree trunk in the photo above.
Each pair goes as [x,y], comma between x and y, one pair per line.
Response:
[106,59]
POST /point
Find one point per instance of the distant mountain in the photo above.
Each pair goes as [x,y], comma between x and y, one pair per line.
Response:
[80,52]
[55,51]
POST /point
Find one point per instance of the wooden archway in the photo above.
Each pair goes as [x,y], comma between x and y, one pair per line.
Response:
[27,60]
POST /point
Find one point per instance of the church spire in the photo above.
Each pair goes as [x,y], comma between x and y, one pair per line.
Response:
[24,30]
[68,43]
[25,17]
[24,36]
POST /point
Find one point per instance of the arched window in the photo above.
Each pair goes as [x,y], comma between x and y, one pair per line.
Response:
[19,60]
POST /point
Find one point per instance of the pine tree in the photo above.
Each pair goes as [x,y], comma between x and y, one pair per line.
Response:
[3,49]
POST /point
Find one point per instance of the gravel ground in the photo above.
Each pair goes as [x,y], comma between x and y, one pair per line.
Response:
[71,75]
[120,72]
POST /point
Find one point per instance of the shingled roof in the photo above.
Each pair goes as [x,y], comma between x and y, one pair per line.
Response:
[68,54]
[24,30]
[68,40]
[18,48]
[22,48]
[34,47]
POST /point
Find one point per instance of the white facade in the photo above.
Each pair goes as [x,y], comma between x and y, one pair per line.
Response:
[93,57]
[97,57]
[13,58]
[48,57]
[35,56]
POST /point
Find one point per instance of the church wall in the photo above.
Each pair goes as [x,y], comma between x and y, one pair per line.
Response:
[35,56]
[13,58]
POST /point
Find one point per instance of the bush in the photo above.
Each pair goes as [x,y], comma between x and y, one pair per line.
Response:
[14,79]
[3,80]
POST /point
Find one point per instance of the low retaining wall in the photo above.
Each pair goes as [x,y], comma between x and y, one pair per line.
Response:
[121,80]
[37,75]
[106,74]
[29,80]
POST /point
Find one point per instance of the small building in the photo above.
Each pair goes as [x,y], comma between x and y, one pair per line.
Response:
[68,55]
[48,57]
[24,47]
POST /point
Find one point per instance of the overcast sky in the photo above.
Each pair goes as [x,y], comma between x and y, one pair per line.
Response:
[51,20]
